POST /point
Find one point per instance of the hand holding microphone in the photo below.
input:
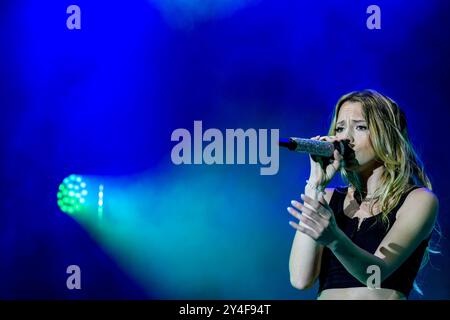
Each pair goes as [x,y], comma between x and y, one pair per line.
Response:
[324,168]
[327,154]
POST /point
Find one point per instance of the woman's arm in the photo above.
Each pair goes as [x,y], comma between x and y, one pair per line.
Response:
[414,223]
[306,254]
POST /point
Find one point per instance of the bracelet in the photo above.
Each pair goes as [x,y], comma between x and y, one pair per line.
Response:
[319,189]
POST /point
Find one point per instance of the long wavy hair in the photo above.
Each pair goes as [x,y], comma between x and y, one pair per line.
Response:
[393,148]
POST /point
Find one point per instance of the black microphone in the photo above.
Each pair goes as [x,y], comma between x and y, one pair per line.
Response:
[317,148]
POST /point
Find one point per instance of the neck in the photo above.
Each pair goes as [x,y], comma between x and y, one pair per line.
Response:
[371,179]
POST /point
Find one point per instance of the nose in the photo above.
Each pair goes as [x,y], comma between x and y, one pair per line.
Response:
[347,135]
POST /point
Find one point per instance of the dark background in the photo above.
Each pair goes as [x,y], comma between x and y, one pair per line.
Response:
[105,99]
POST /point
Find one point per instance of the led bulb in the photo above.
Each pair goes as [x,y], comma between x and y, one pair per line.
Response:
[77,194]
[71,194]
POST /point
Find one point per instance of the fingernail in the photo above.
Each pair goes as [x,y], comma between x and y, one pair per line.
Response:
[288,209]
[294,203]
[302,196]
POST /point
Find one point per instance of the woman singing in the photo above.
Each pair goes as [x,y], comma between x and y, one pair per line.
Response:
[366,240]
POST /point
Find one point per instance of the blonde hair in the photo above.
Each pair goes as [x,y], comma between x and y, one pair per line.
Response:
[392,146]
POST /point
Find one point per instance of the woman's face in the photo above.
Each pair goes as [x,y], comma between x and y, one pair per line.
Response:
[352,126]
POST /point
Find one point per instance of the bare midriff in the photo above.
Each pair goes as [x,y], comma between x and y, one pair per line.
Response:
[361,293]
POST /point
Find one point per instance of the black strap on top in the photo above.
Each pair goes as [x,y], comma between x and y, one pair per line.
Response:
[337,200]
[339,194]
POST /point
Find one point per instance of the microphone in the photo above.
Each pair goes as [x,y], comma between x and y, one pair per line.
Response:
[317,148]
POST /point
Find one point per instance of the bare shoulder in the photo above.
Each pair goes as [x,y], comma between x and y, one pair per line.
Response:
[422,202]
[422,197]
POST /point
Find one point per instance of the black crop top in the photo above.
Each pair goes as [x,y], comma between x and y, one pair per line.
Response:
[372,231]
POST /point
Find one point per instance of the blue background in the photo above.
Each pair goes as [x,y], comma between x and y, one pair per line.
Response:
[105,99]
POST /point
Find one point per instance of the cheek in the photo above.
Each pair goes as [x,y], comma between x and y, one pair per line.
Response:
[366,146]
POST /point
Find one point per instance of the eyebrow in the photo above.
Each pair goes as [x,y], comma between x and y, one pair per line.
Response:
[355,121]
